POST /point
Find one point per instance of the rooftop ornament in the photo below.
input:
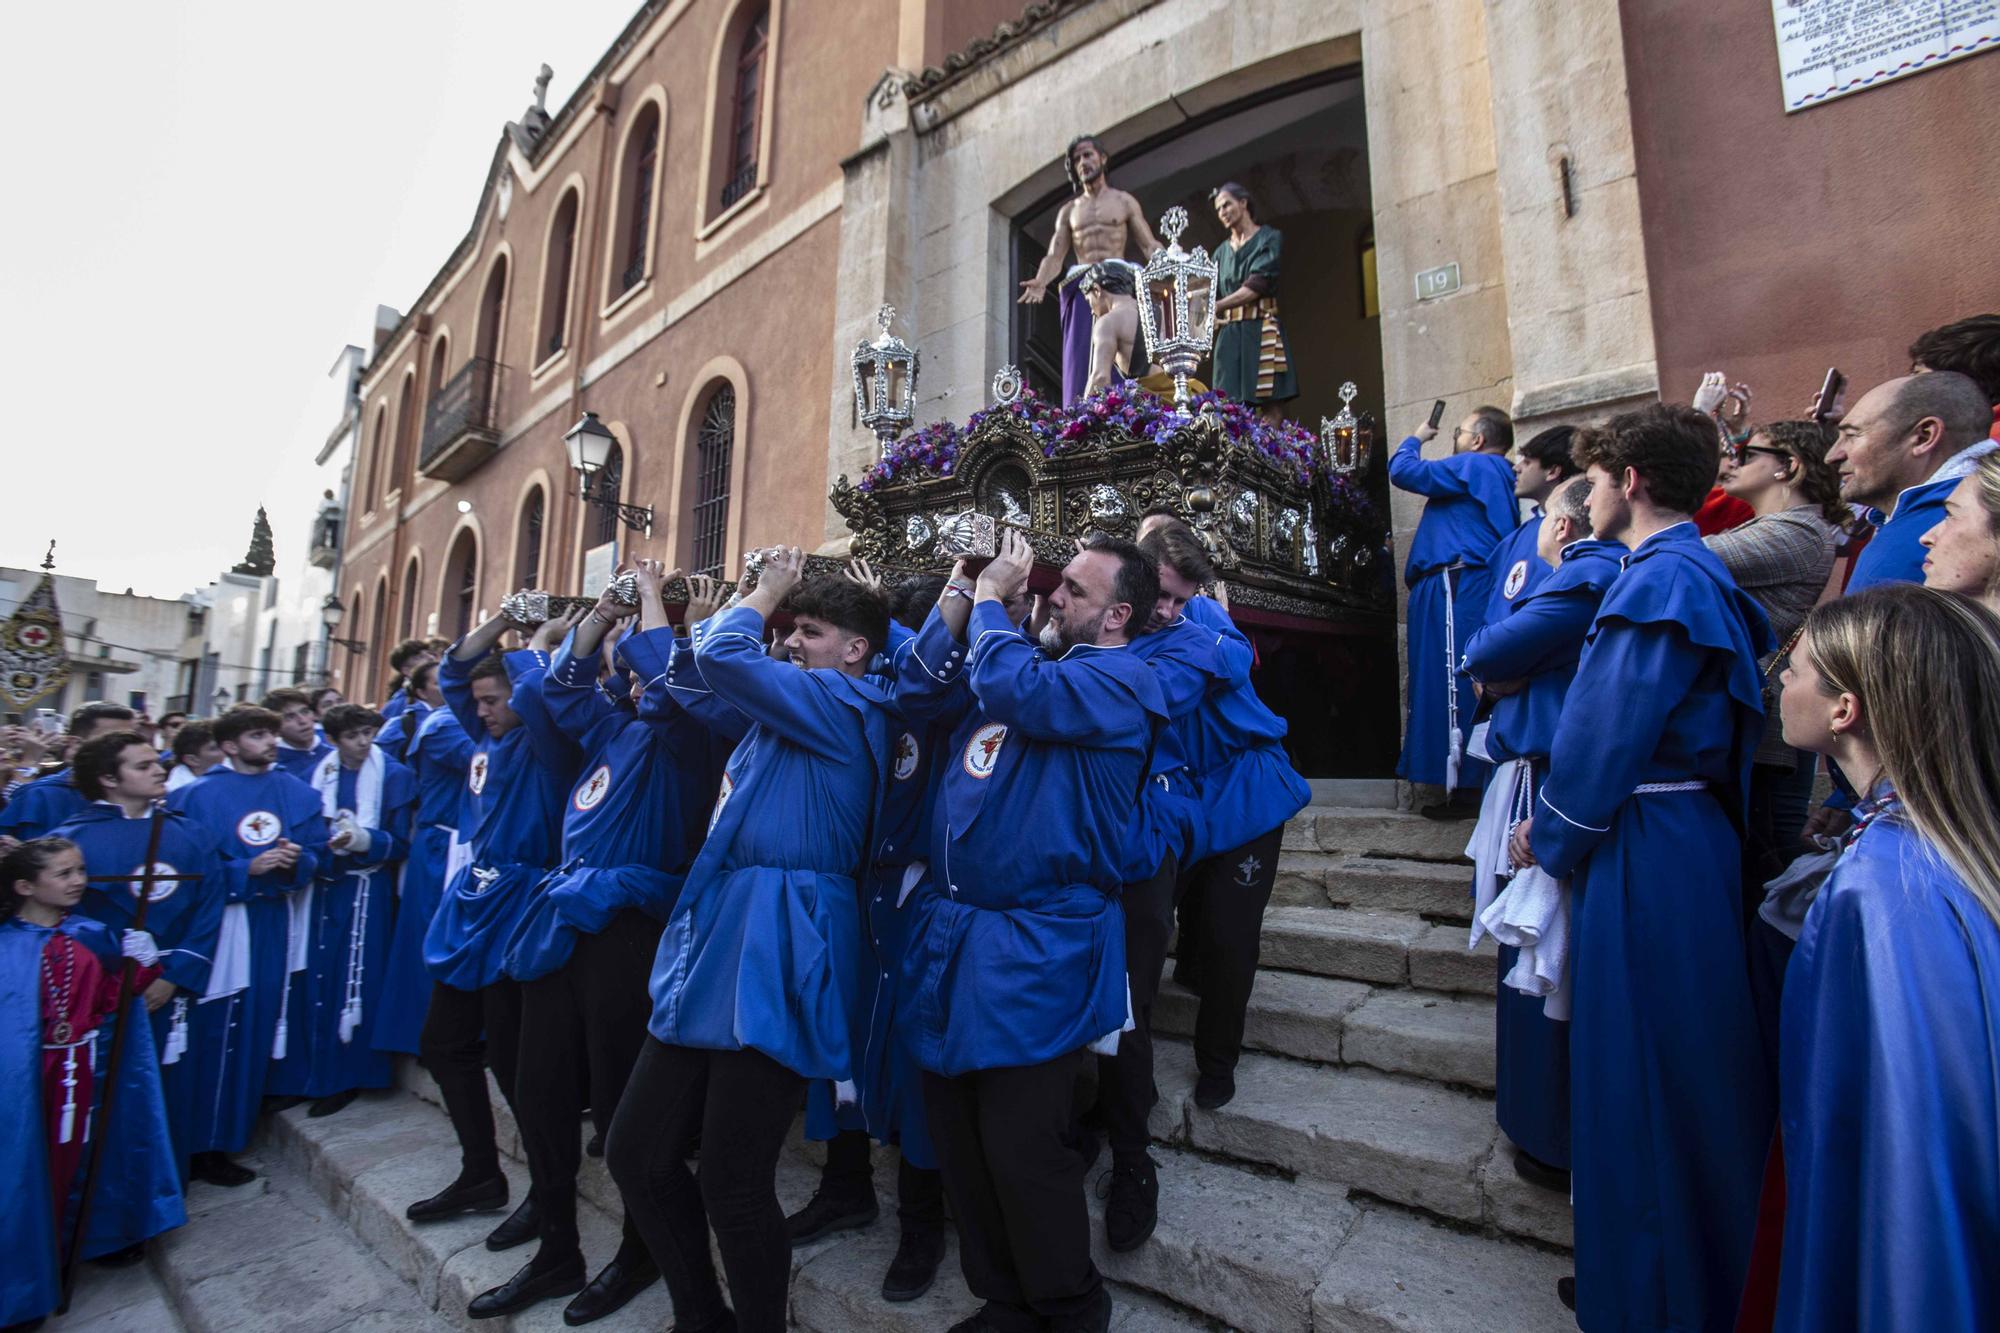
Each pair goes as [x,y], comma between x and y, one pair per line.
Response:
[1177,309]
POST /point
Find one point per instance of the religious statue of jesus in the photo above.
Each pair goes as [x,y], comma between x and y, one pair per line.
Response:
[1100,222]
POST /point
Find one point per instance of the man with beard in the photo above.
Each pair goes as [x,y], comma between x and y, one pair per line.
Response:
[1016,962]
[1101,222]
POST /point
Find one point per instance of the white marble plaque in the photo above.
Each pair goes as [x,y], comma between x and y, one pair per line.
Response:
[1830,48]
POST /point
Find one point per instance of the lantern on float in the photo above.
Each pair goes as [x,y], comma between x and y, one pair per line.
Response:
[885,381]
[1177,305]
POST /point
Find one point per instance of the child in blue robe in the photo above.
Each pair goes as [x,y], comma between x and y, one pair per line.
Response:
[366,799]
[1670,1110]
[1469,507]
[272,841]
[754,981]
[302,744]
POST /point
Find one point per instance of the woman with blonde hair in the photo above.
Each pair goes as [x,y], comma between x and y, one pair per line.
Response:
[1889,1076]
[1965,545]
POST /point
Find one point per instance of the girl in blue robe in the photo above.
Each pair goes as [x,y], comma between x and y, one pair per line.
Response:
[1889,1066]
[1670,1110]
[438,753]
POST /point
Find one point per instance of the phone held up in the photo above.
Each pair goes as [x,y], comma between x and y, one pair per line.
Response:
[1437,413]
[1829,395]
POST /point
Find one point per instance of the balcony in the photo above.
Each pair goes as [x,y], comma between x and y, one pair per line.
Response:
[462,423]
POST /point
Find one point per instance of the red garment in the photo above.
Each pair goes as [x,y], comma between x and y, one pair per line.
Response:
[76,984]
[1720,512]
[1759,1309]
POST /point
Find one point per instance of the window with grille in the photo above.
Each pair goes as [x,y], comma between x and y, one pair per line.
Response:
[639,205]
[609,485]
[528,547]
[409,610]
[555,277]
[746,108]
[712,448]
[463,585]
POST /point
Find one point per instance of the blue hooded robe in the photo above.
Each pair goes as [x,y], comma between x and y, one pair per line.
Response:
[1537,638]
[1471,506]
[38,807]
[760,950]
[437,753]
[1670,1102]
[1017,951]
[301,763]
[1515,567]
[230,1037]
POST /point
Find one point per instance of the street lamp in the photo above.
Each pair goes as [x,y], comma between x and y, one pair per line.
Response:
[589,445]
[330,612]
[885,382]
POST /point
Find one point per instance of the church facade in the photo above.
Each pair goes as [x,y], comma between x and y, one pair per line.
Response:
[1557,208]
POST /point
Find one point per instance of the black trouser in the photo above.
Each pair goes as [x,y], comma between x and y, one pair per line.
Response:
[1125,1091]
[1222,903]
[850,1174]
[738,1106]
[464,1032]
[1780,799]
[1011,1165]
[581,1029]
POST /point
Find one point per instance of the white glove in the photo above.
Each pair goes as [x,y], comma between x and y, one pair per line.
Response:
[349,838]
[359,844]
[140,948]
[1711,393]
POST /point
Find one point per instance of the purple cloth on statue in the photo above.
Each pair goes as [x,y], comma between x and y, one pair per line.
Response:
[1076,321]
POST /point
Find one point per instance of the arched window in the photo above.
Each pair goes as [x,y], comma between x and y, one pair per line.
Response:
[378,647]
[601,520]
[461,586]
[528,540]
[714,442]
[406,431]
[557,260]
[409,608]
[440,362]
[378,458]
[351,673]
[492,313]
[632,219]
[746,104]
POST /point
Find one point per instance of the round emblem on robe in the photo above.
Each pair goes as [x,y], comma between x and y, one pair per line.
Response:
[259,828]
[907,756]
[1517,579]
[721,799]
[982,752]
[163,888]
[475,773]
[591,791]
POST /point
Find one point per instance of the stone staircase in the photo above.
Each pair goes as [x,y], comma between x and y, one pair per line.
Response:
[1356,1182]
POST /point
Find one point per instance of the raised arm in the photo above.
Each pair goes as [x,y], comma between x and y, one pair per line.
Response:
[733,660]
[1409,470]
[1140,231]
[930,669]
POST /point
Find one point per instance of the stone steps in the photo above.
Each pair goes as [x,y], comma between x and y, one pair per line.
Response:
[1383,948]
[1367,831]
[118,1300]
[1235,1247]
[1308,877]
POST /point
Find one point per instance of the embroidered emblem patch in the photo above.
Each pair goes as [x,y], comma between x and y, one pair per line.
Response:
[982,752]
[591,791]
[163,887]
[259,828]
[1517,579]
[907,755]
[475,773]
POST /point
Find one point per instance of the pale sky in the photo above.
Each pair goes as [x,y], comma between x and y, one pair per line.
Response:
[205,203]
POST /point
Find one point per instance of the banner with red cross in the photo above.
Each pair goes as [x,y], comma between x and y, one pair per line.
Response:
[32,661]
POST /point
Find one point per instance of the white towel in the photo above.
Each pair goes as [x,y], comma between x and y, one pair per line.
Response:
[456,857]
[1108,1043]
[1532,915]
[177,1033]
[367,788]
[230,973]
[1488,844]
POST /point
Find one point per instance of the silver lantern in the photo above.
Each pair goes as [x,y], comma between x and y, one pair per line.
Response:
[1340,438]
[885,381]
[1177,305]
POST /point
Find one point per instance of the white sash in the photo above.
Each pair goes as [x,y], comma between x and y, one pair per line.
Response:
[367,814]
[230,973]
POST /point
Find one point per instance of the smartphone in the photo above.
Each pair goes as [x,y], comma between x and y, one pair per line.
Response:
[1437,413]
[48,721]
[1829,394]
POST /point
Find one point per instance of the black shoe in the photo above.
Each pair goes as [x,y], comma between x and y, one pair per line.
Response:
[976,1322]
[1537,1172]
[595,1148]
[826,1214]
[1212,1092]
[125,1258]
[1566,1292]
[611,1289]
[326,1106]
[526,1287]
[915,1266]
[461,1196]
[273,1105]
[722,1323]
[216,1169]
[522,1225]
[1132,1207]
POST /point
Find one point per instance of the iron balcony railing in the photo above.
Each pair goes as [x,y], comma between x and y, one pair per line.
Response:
[739,184]
[467,405]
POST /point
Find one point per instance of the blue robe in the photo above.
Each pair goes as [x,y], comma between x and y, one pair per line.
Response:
[301,763]
[1515,567]
[1537,638]
[230,1037]
[1889,1086]
[139,1194]
[437,753]
[183,917]
[352,912]
[1670,1104]
[37,808]
[1017,952]
[627,833]
[1895,554]
[512,821]
[760,950]
[1470,507]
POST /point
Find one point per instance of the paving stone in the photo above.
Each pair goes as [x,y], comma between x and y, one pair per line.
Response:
[1521,1209]
[1239,1247]
[1440,961]
[117,1300]
[262,1226]
[1413,1142]
[321,1284]
[1391,884]
[202,1198]
[1444,1037]
[1366,832]
[837,1286]
[1402,1274]
[1334,942]
[1290,1013]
